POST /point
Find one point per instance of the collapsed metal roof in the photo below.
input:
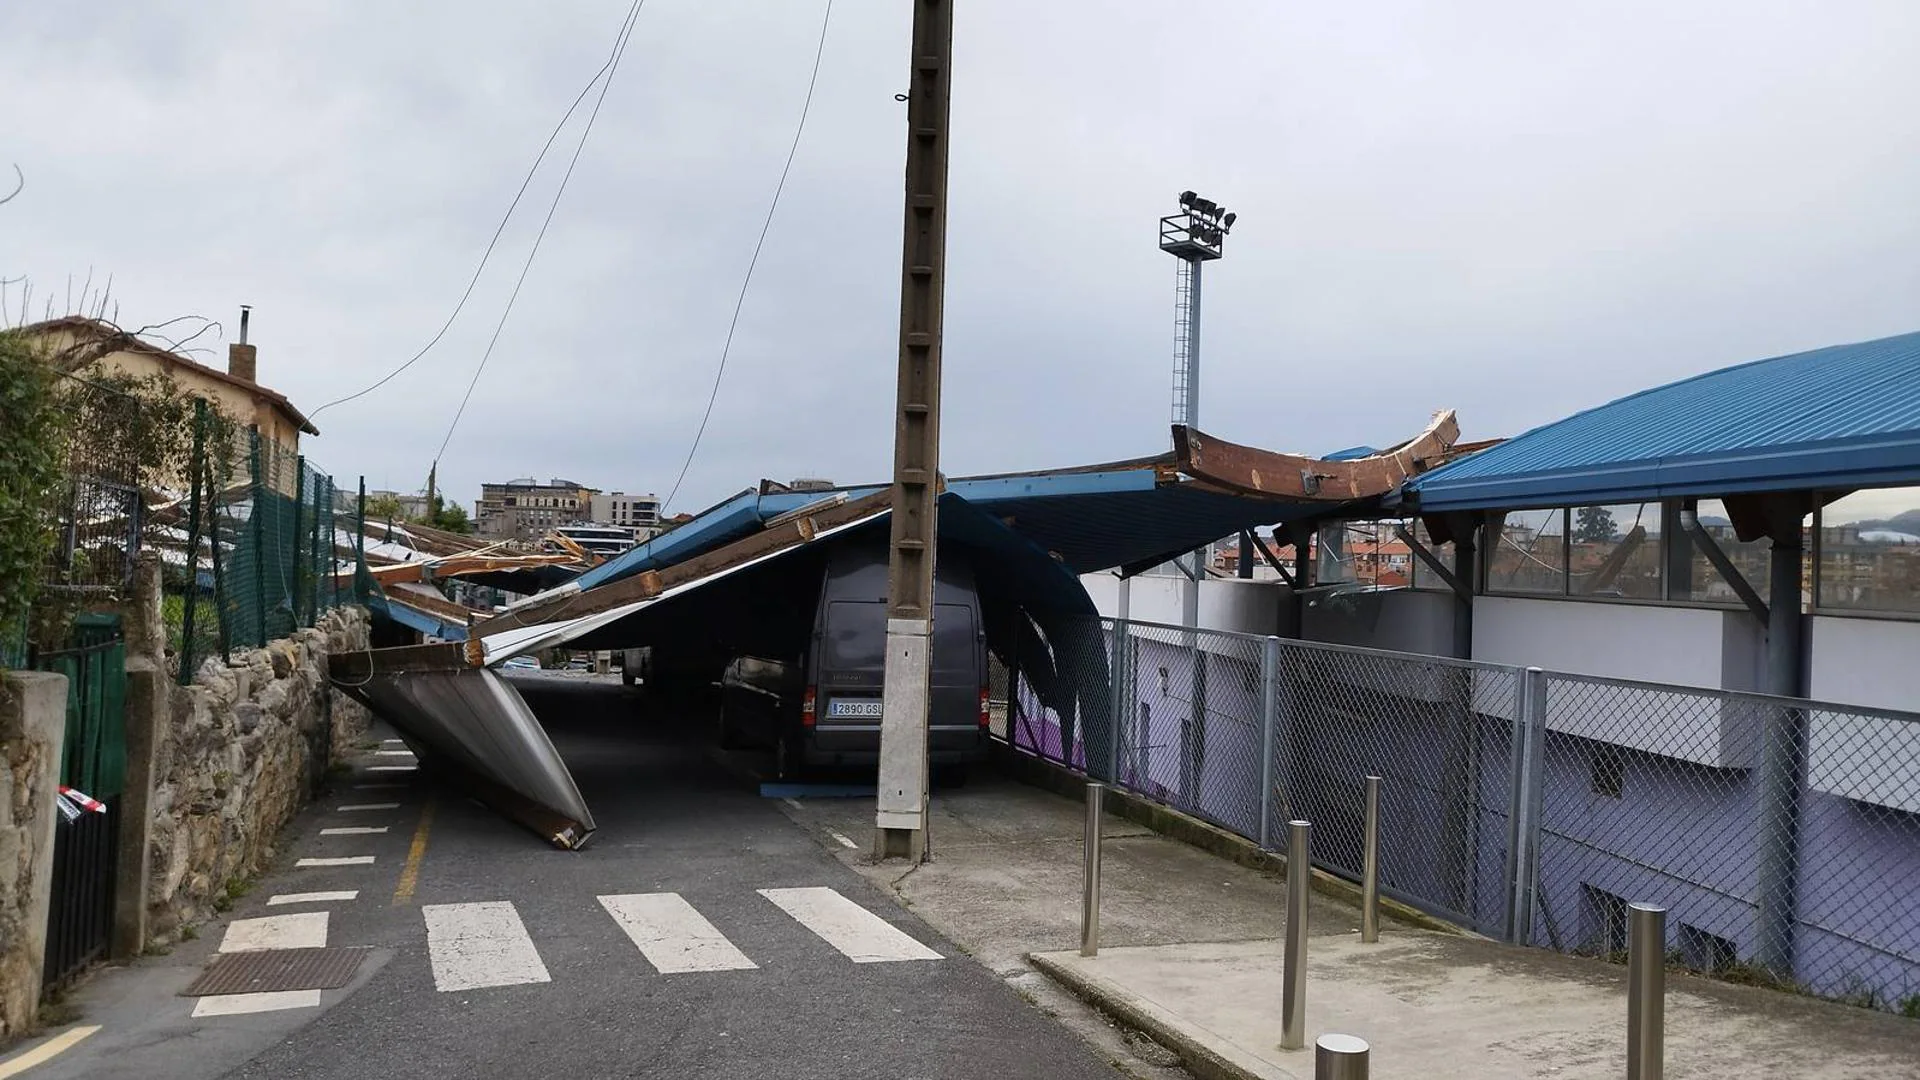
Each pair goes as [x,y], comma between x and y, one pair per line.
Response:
[1029,534]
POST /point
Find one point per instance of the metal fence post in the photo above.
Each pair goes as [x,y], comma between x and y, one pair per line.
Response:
[1116,716]
[299,526]
[1090,883]
[1269,719]
[259,522]
[1524,804]
[193,541]
[1340,1057]
[1646,991]
[1370,866]
[1293,994]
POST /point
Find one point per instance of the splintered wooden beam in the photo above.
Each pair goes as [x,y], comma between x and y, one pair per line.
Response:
[651,583]
[1294,477]
[355,667]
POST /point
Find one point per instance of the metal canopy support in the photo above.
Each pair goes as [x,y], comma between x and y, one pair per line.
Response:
[1273,560]
[1425,554]
[1730,573]
[900,817]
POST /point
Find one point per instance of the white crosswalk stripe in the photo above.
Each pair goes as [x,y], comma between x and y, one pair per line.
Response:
[269,1001]
[473,946]
[859,934]
[672,935]
[313,897]
[354,830]
[357,807]
[304,930]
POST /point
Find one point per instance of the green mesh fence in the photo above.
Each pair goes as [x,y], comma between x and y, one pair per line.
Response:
[273,545]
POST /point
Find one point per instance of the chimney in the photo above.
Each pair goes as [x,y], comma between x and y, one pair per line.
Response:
[242,358]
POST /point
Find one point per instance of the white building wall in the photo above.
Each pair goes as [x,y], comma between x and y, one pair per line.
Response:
[1874,663]
[1233,604]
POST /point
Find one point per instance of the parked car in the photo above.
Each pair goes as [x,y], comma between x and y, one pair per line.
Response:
[521,663]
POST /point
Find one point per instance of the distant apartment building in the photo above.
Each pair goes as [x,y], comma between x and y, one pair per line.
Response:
[603,540]
[640,513]
[412,507]
[527,509]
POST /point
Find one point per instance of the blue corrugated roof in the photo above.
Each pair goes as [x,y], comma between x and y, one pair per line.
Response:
[1846,416]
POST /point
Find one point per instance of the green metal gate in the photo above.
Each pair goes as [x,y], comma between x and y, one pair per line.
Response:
[93,763]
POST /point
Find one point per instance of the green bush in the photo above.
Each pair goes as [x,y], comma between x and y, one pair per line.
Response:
[32,445]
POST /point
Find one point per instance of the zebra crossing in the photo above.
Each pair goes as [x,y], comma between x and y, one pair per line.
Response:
[474,946]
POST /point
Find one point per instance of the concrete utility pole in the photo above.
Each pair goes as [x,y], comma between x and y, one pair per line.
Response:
[900,820]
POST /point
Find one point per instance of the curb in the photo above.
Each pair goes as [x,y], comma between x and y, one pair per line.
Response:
[1212,839]
[1203,1061]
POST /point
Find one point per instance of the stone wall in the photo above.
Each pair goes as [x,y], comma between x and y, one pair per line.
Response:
[245,747]
[33,721]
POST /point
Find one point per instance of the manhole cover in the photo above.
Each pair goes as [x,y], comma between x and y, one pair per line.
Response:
[277,969]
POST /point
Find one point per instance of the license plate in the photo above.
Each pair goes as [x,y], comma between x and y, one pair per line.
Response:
[841,707]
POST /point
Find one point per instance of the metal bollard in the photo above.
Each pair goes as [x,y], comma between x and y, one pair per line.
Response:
[1090,891]
[1293,994]
[1340,1057]
[1370,867]
[1646,991]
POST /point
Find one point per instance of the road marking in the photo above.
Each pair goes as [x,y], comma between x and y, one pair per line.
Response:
[306,930]
[393,768]
[393,742]
[344,860]
[313,897]
[672,935]
[844,842]
[353,807]
[269,1001]
[795,803]
[379,787]
[354,830]
[46,1051]
[416,851]
[472,946]
[393,753]
[864,937]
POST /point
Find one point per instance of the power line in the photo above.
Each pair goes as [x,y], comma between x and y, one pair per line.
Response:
[499,229]
[740,302]
[612,68]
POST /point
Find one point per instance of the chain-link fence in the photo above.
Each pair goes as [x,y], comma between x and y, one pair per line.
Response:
[1783,836]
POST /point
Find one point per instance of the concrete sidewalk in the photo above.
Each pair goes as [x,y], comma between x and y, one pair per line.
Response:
[1190,956]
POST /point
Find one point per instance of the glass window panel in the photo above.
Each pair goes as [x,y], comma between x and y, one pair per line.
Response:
[1615,551]
[1530,553]
[1377,555]
[1423,575]
[1332,559]
[1870,551]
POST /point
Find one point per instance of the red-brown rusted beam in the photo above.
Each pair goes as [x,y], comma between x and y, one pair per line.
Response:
[1295,477]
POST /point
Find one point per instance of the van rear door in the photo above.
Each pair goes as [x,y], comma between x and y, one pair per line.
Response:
[853,648]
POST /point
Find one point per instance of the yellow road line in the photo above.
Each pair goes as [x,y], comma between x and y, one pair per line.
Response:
[410,874]
[46,1051]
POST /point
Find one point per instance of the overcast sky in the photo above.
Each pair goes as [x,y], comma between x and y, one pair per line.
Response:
[1509,208]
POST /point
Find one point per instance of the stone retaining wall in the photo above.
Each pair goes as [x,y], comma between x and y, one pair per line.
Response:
[245,747]
[33,721]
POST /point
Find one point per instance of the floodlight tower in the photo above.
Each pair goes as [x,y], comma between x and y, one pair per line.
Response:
[1195,236]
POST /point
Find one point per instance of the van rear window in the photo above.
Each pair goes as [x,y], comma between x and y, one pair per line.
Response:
[856,635]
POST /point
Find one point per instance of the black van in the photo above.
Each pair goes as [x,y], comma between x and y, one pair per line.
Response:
[825,710]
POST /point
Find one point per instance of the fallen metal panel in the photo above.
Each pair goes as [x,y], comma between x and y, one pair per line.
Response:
[267,971]
[473,720]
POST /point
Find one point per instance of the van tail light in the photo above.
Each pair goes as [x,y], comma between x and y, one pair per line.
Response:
[806,708]
[986,715]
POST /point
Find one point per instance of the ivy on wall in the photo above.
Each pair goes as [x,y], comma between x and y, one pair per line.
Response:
[33,430]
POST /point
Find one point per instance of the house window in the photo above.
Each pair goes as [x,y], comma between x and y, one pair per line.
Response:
[1706,952]
[1607,772]
[1606,920]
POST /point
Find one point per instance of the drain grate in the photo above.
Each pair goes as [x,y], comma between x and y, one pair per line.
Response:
[277,969]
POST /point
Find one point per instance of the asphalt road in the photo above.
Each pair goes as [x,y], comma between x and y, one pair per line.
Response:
[670,820]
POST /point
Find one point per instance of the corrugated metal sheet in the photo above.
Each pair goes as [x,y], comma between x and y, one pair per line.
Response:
[1839,417]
